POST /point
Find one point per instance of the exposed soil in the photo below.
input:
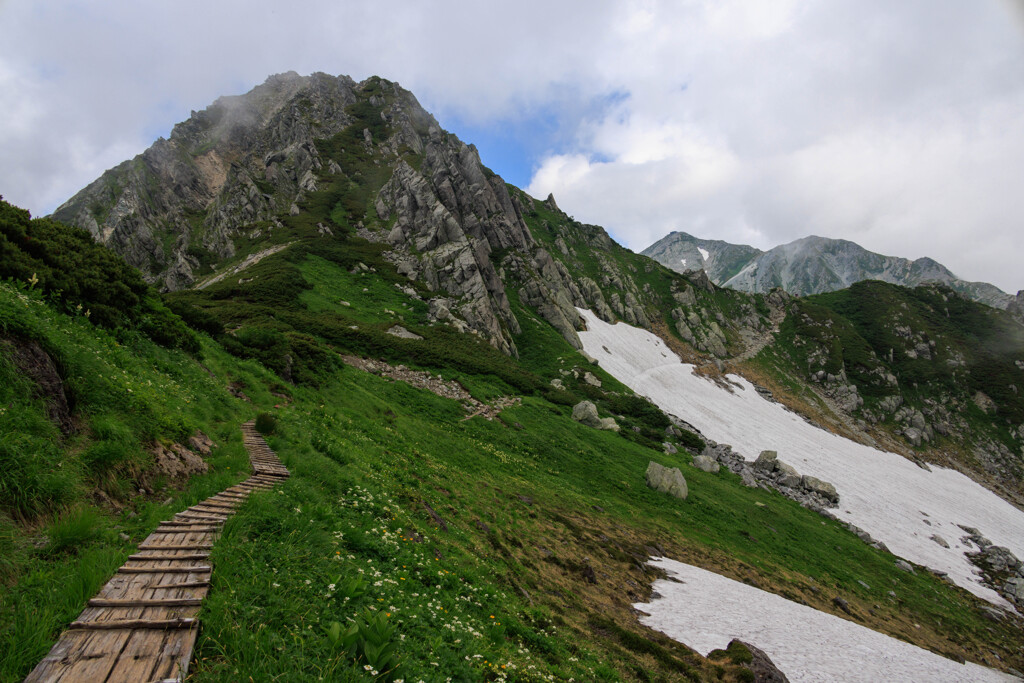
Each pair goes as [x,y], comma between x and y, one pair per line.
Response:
[35,363]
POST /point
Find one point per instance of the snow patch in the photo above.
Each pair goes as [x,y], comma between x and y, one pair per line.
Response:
[704,253]
[705,611]
[683,261]
[883,493]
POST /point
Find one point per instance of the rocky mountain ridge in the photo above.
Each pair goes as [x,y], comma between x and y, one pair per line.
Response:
[809,265]
[323,159]
[233,174]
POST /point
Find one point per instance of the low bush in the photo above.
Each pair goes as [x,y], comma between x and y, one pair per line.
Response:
[266,424]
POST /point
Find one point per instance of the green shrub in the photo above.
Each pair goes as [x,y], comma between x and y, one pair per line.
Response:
[266,424]
[691,441]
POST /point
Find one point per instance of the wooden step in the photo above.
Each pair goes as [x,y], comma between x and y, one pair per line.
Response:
[149,602]
[165,570]
[131,624]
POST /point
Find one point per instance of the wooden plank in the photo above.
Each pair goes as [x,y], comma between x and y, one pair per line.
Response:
[210,503]
[189,556]
[205,517]
[163,570]
[80,656]
[139,658]
[196,546]
[146,602]
[129,624]
[174,658]
[184,584]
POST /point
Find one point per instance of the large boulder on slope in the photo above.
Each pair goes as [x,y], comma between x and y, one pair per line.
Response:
[822,488]
[766,461]
[788,476]
[585,413]
[667,480]
[753,658]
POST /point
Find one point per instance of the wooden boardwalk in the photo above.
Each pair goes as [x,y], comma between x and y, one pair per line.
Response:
[142,624]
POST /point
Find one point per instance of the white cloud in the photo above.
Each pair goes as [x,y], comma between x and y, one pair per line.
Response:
[893,124]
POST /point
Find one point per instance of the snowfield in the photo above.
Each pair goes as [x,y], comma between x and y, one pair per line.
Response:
[888,496]
[706,611]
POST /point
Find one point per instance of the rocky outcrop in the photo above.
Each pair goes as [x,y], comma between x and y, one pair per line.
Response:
[176,461]
[1000,568]
[769,472]
[667,480]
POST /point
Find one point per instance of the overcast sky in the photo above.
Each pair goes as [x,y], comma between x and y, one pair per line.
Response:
[898,125]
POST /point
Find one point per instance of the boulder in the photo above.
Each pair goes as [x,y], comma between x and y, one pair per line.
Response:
[822,488]
[940,540]
[590,379]
[667,480]
[788,476]
[761,665]
[399,331]
[747,478]
[703,462]
[585,412]
[905,566]
[669,448]
[766,460]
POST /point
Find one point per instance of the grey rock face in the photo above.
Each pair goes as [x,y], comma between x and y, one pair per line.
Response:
[447,218]
[667,480]
[241,160]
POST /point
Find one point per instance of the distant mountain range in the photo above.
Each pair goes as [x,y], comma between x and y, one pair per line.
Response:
[810,265]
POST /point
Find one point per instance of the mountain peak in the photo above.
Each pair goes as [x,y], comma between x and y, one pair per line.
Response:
[811,265]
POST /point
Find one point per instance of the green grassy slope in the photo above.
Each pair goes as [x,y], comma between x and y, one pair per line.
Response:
[548,522]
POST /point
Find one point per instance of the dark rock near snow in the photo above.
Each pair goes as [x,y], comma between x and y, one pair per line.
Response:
[763,667]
